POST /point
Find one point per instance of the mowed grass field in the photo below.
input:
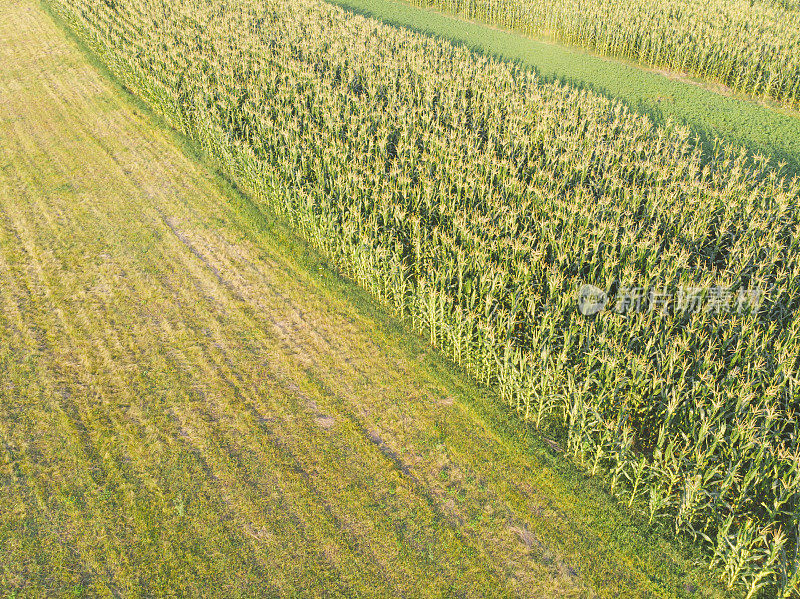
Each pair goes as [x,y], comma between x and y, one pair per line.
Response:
[192,404]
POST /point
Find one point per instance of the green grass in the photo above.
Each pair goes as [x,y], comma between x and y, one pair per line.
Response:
[193,403]
[762,129]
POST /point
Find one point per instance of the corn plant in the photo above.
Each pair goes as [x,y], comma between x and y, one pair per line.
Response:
[750,46]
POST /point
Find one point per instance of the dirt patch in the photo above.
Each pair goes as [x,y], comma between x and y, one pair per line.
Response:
[325,422]
[527,537]
[387,451]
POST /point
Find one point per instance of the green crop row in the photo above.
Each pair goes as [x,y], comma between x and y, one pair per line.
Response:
[752,46]
[477,202]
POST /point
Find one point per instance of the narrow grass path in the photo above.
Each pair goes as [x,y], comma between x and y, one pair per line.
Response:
[769,130]
[192,404]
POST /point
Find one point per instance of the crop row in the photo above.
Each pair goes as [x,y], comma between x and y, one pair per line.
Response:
[752,46]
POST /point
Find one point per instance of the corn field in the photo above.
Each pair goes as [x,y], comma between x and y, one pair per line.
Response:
[475,201]
[752,46]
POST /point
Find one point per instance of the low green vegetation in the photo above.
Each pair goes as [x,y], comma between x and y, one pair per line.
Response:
[476,200]
[707,112]
[752,46]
